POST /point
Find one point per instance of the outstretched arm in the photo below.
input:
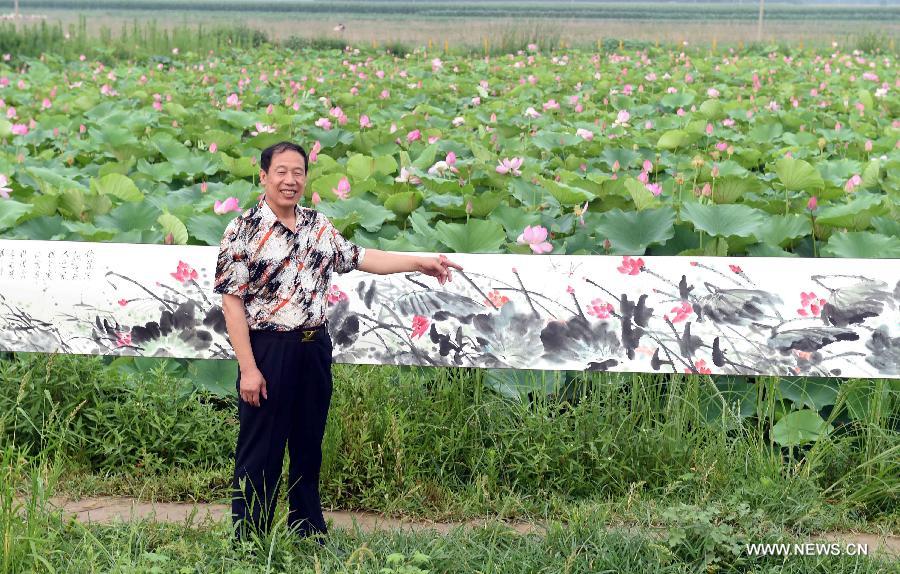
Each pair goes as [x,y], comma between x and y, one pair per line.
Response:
[385,263]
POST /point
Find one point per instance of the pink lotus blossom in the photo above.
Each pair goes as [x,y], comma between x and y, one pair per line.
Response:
[419,325]
[413,136]
[868,146]
[343,188]
[871,76]
[647,165]
[536,238]
[654,188]
[314,152]
[323,123]
[622,117]
[10,112]
[4,189]
[364,121]
[532,113]
[512,166]
[712,93]
[451,159]
[213,147]
[407,176]
[852,183]
[223,207]
[584,134]
[551,104]
[316,198]
[184,273]
[233,100]
[630,266]
[19,129]
[385,94]
[812,204]
[644,177]
[203,187]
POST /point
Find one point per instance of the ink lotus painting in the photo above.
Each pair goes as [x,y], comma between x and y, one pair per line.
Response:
[707,315]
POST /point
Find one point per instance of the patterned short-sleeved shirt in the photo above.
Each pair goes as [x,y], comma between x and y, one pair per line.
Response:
[282,276]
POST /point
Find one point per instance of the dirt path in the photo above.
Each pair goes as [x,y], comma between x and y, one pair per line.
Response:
[108,510]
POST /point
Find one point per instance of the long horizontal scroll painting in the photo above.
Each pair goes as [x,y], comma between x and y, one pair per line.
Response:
[806,317]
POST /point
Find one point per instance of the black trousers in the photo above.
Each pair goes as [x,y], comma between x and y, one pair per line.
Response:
[297,369]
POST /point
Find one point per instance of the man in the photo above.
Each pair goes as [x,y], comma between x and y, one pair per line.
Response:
[273,271]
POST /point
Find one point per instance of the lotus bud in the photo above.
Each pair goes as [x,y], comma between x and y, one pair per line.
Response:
[170,239]
[822,143]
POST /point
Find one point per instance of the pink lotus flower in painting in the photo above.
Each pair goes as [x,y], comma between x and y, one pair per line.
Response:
[419,325]
[227,206]
[630,266]
[123,302]
[511,166]
[123,339]
[184,273]
[682,312]
[343,188]
[496,299]
[600,309]
[811,304]
[335,295]
[4,190]
[701,368]
[536,238]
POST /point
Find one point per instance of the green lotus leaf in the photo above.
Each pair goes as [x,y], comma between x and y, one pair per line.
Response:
[856,214]
[800,427]
[640,195]
[779,229]
[173,225]
[475,236]
[862,244]
[404,202]
[117,185]
[631,232]
[12,211]
[724,220]
[798,175]
[673,139]
[344,213]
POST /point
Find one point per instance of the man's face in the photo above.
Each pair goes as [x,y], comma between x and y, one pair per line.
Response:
[286,180]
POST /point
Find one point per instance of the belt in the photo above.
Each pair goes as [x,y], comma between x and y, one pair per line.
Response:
[304,334]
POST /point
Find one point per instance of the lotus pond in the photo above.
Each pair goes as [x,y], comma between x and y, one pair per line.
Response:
[660,151]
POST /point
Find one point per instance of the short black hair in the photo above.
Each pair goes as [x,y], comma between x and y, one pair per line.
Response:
[265,159]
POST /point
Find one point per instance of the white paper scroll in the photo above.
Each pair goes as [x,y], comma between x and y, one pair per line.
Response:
[787,316]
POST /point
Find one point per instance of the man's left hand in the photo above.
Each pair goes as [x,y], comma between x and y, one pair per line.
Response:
[438,267]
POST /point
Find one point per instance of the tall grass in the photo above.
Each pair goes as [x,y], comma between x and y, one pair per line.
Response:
[439,442]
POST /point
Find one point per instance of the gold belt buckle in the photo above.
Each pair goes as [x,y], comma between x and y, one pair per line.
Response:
[308,335]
